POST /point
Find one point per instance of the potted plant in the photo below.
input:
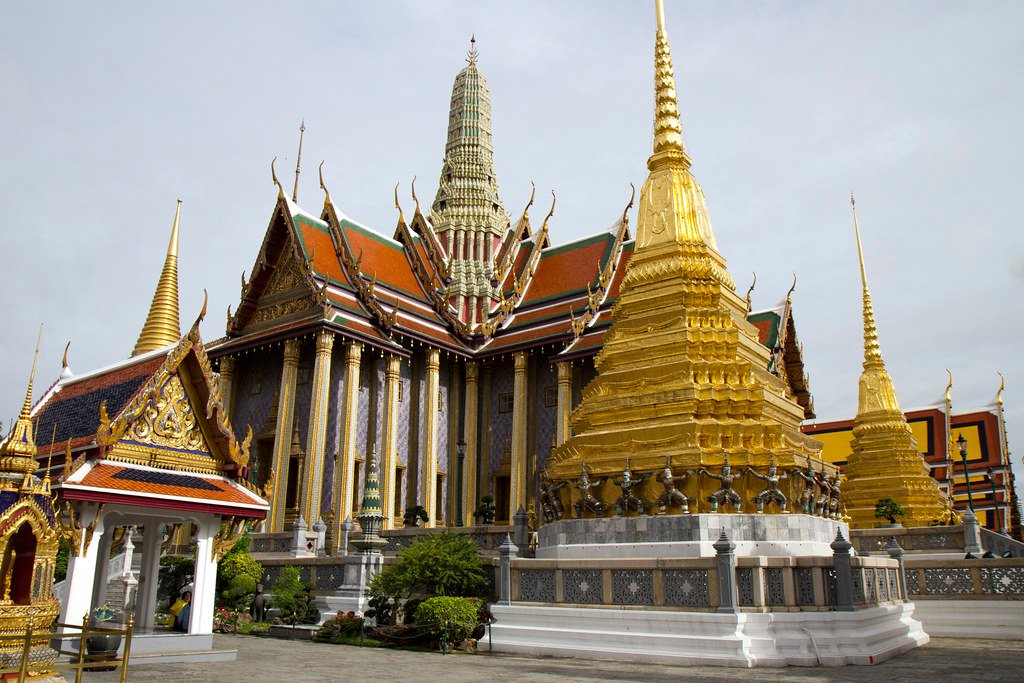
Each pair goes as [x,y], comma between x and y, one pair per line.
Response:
[414,514]
[102,647]
[485,510]
[889,509]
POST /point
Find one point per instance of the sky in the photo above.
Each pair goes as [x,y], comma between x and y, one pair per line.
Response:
[112,110]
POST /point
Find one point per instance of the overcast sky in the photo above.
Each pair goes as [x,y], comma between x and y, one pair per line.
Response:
[110,111]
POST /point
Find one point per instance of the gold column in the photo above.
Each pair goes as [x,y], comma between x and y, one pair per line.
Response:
[283,433]
[390,440]
[227,383]
[517,497]
[564,401]
[471,402]
[343,473]
[317,434]
[429,485]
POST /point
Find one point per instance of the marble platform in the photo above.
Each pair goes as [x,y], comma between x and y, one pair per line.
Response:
[687,536]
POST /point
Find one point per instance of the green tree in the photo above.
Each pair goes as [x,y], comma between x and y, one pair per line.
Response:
[889,509]
[294,599]
[238,574]
[449,618]
[446,563]
[176,572]
[60,566]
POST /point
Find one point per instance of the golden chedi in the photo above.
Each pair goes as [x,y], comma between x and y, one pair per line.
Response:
[885,461]
[682,374]
[28,545]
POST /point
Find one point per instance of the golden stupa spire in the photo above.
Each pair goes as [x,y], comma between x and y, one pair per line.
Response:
[163,325]
[668,131]
[19,451]
[872,352]
[884,460]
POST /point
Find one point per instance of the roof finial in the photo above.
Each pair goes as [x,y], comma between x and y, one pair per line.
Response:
[668,132]
[1002,386]
[789,294]
[162,325]
[472,54]
[64,359]
[298,162]
[327,195]
[872,353]
[750,292]
[414,194]
[26,408]
[401,218]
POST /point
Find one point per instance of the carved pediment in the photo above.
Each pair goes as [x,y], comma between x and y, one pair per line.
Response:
[169,421]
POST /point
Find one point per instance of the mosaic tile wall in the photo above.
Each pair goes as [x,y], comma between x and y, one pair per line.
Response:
[334,415]
[500,424]
[405,428]
[259,375]
[547,377]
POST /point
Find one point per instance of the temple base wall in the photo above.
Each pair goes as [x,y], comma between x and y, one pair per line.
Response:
[687,536]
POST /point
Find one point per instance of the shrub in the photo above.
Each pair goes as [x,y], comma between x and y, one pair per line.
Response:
[340,625]
[294,599]
[228,621]
[60,567]
[889,509]
[448,618]
[447,563]
[237,577]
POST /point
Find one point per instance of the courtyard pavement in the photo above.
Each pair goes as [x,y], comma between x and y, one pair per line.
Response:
[268,659]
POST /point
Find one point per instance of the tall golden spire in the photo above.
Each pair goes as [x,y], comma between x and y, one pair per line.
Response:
[163,325]
[668,131]
[884,460]
[19,451]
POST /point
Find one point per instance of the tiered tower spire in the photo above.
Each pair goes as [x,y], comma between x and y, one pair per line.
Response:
[163,325]
[681,373]
[885,461]
[468,214]
[18,453]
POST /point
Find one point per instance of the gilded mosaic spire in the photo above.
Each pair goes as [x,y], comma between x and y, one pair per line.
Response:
[468,215]
[18,453]
[163,324]
[884,461]
[681,374]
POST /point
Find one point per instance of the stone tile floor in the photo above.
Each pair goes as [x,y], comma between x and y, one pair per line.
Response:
[265,659]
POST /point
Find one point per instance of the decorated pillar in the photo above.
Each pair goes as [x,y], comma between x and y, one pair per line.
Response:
[342,502]
[517,493]
[430,427]
[227,383]
[149,576]
[469,475]
[317,434]
[564,401]
[390,438]
[82,563]
[283,433]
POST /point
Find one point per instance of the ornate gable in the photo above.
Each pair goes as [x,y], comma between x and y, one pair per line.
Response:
[287,294]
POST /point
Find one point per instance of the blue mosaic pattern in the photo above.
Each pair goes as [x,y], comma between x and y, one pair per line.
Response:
[363,417]
[262,371]
[503,382]
[546,416]
[405,429]
[444,439]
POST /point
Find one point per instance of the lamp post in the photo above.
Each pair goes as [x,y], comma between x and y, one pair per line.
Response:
[961,442]
[462,463]
[991,479]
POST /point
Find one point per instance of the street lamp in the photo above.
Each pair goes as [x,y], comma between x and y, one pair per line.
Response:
[462,463]
[961,442]
[991,479]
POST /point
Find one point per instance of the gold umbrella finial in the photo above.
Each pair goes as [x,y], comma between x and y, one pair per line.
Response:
[163,324]
[298,163]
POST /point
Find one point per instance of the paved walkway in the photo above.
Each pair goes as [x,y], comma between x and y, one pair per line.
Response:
[267,659]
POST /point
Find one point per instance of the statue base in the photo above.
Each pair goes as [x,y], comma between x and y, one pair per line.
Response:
[774,535]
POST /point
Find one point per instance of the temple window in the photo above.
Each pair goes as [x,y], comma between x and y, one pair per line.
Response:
[18,562]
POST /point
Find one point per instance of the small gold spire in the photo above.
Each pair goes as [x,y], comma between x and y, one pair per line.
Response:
[26,407]
[19,451]
[872,352]
[298,163]
[163,325]
[668,131]
[472,54]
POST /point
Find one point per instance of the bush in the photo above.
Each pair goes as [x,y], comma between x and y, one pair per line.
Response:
[889,509]
[237,577]
[340,625]
[253,627]
[294,599]
[445,564]
[60,566]
[451,619]
[228,621]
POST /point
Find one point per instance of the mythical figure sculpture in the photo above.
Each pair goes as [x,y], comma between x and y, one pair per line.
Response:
[629,500]
[807,496]
[587,501]
[725,492]
[771,492]
[825,495]
[550,502]
[835,508]
[672,495]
